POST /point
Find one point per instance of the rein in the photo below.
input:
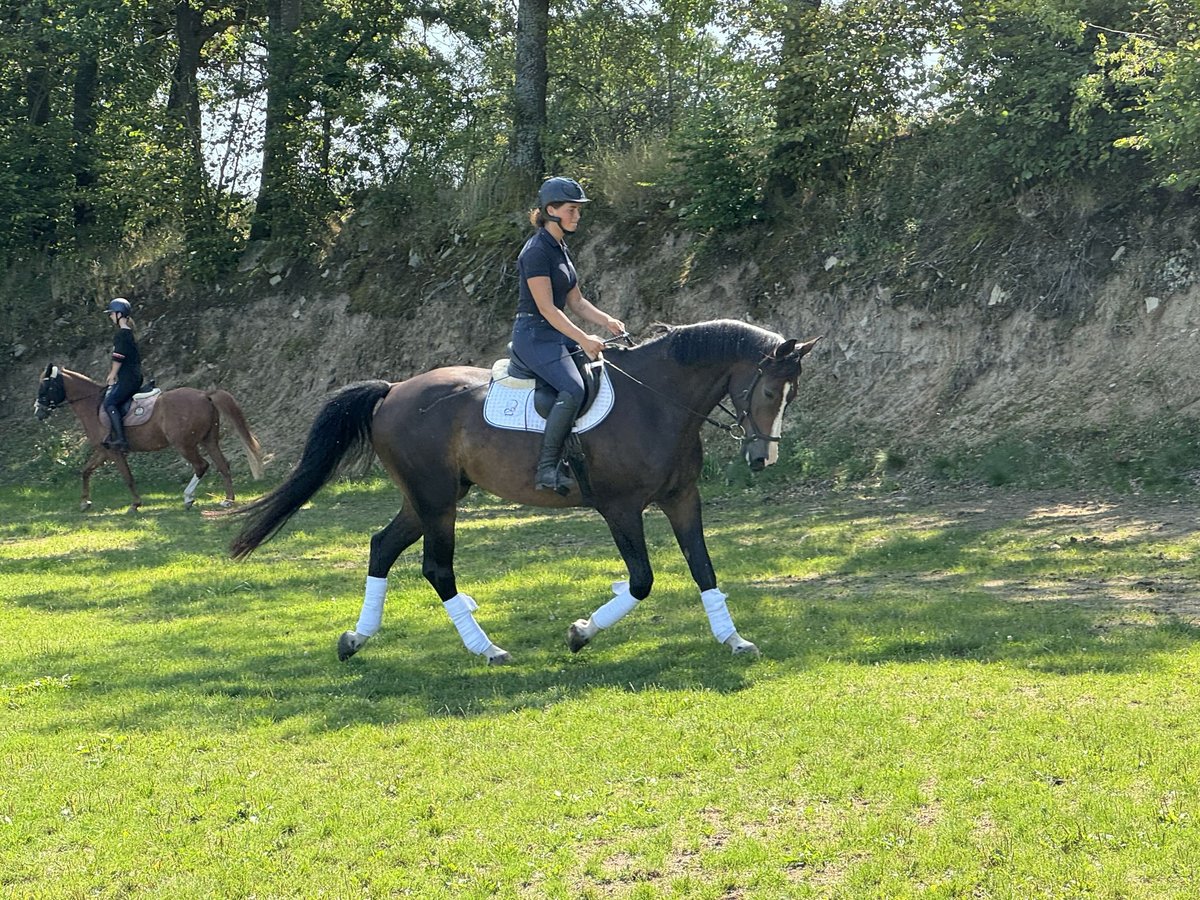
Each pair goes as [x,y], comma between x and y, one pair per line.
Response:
[734,429]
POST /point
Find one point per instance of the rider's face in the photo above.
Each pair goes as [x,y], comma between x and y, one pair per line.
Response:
[569,214]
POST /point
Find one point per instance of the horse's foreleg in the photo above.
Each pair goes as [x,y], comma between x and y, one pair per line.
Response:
[683,512]
[123,467]
[93,463]
[199,467]
[438,569]
[629,534]
[386,547]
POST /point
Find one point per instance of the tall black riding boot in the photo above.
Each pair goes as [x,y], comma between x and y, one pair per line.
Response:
[550,476]
[116,437]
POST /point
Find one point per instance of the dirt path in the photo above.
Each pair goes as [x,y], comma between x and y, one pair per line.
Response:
[1158,536]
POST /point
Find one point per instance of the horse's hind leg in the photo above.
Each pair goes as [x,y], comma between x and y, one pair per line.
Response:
[683,512]
[628,532]
[212,444]
[386,547]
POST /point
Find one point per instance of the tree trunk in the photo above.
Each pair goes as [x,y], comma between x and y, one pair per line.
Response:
[795,95]
[83,127]
[274,199]
[529,108]
[183,115]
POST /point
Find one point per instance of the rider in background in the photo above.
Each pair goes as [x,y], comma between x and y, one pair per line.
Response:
[543,337]
[125,374]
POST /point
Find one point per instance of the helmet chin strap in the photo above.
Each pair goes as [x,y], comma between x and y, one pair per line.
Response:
[557,220]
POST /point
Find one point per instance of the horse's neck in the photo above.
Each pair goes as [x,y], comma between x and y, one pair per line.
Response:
[694,388]
[79,390]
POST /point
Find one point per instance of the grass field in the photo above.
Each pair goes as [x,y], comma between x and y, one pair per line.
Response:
[991,695]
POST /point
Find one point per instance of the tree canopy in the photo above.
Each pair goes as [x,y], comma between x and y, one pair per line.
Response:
[223,121]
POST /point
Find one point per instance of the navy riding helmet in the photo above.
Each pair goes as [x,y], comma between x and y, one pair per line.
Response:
[120,306]
[561,190]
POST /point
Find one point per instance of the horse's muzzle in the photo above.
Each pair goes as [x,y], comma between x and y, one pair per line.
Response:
[758,454]
[41,411]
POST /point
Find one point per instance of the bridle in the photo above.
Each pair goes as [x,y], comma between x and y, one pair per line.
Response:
[753,434]
[734,429]
[50,404]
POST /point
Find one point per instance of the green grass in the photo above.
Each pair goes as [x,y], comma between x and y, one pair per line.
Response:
[992,696]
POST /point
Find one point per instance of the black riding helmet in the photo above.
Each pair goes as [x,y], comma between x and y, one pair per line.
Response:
[120,306]
[559,190]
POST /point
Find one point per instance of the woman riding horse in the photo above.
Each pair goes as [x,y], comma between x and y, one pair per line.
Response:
[543,338]
[124,375]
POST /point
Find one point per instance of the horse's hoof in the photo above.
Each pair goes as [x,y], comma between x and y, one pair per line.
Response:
[85,505]
[226,503]
[188,504]
[742,647]
[349,643]
[497,656]
[577,636]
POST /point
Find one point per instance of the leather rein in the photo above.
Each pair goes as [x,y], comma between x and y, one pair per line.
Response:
[734,429]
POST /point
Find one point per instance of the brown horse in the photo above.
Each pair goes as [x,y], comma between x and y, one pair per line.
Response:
[430,435]
[184,418]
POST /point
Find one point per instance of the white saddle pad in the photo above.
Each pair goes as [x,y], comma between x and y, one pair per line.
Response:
[509,404]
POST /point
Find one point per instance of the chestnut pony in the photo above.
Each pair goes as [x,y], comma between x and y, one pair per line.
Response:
[430,435]
[184,418]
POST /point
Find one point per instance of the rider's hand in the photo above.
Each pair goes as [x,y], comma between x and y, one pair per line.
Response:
[616,326]
[592,346]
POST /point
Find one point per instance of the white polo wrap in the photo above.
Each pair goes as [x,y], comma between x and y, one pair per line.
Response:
[459,607]
[371,616]
[617,608]
[718,614]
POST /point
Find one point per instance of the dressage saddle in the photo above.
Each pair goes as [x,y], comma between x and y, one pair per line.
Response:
[545,395]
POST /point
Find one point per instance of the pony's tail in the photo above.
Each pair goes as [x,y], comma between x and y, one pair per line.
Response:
[229,409]
[341,428]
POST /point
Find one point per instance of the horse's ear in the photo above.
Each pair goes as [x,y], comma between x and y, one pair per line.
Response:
[806,348]
[49,370]
[784,349]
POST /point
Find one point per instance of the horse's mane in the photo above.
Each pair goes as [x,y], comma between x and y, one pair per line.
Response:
[718,341]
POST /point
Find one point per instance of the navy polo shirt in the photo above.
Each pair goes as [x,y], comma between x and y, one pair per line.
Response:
[543,256]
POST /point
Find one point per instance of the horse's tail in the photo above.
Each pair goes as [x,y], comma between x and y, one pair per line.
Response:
[228,407]
[341,428]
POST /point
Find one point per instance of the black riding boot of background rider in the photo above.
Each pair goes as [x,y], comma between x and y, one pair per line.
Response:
[116,437]
[550,476]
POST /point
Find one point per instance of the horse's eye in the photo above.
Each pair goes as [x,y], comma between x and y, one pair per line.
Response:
[769,394]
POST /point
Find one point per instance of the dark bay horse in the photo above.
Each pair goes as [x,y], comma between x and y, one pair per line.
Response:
[184,418]
[430,435]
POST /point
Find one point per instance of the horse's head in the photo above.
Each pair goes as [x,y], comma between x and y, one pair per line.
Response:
[51,392]
[761,398]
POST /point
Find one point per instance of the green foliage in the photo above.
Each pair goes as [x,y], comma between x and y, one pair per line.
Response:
[919,135]
[1158,75]
[717,173]
[1026,98]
